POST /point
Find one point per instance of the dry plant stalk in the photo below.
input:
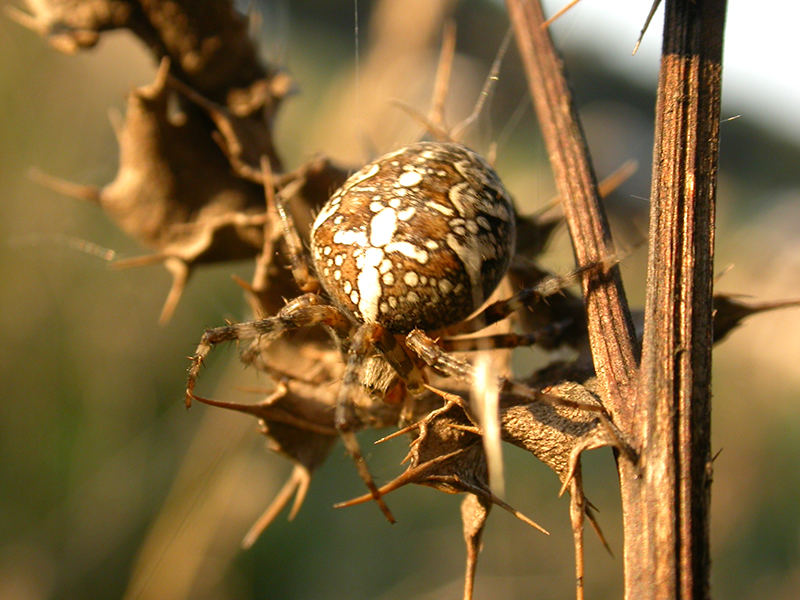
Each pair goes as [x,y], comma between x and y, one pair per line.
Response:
[674,387]
[665,410]
[228,101]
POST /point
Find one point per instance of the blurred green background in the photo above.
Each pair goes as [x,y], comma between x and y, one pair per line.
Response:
[109,488]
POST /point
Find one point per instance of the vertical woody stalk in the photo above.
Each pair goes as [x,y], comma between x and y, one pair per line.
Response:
[611,336]
[610,329]
[674,388]
[665,410]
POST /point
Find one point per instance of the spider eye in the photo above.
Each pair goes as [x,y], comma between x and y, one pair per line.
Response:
[418,238]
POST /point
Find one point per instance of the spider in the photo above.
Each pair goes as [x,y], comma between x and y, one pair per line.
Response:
[407,250]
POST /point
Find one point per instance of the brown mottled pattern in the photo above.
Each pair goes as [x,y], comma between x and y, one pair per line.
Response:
[418,238]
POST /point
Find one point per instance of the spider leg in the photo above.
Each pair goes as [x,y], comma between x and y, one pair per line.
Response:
[435,357]
[392,376]
[346,419]
[497,311]
[304,311]
[397,357]
[301,268]
[546,335]
[525,298]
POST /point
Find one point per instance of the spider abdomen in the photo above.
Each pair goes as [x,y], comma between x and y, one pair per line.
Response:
[419,238]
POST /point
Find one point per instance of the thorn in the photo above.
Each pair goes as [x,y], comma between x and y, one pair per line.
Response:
[87,193]
[442,79]
[298,481]
[27,20]
[449,397]
[611,182]
[155,89]
[468,428]
[597,530]
[245,285]
[525,519]
[725,270]
[561,12]
[653,8]
[180,272]
[432,128]
[730,313]
[300,496]
[409,476]
[398,433]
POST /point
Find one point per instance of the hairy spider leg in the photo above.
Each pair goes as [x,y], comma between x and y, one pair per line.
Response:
[446,364]
[363,342]
[304,311]
[302,271]
[525,298]
[548,336]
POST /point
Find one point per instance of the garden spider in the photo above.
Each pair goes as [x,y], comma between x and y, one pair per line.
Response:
[404,251]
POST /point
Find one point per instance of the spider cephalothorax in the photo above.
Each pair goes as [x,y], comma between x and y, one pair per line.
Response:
[416,239]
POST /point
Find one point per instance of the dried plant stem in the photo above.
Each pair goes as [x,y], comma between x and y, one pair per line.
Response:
[674,388]
[610,328]
[666,542]
[611,333]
